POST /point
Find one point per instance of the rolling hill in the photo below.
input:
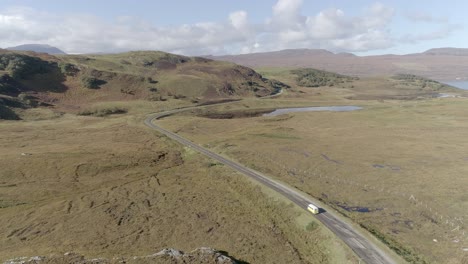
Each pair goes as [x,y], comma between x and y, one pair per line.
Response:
[73,82]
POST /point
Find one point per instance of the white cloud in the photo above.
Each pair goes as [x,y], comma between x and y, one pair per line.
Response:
[371,40]
[442,32]
[286,13]
[239,20]
[424,17]
[87,33]
[378,15]
[332,29]
[443,27]
[9,20]
[329,24]
[287,27]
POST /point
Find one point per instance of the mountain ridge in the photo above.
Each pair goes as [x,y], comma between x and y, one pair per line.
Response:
[447,51]
[40,48]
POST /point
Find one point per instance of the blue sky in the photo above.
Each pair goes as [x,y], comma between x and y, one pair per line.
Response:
[231,27]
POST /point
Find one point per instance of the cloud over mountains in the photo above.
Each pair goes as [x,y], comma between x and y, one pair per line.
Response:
[286,27]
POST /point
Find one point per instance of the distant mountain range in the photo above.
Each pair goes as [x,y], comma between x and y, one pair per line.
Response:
[440,63]
[40,48]
[447,51]
[445,64]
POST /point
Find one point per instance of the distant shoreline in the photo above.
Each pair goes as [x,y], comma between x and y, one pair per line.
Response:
[462,84]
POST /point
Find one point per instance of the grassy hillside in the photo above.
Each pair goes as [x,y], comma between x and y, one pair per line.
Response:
[71,83]
[420,82]
[169,75]
[332,85]
[400,87]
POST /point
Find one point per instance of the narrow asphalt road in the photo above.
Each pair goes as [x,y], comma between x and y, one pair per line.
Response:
[364,248]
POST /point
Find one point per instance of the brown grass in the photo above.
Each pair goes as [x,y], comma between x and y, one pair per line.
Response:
[107,187]
[393,158]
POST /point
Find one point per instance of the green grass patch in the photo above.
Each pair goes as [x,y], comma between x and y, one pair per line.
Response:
[316,78]
[213,164]
[420,82]
[91,82]
[312,226]
[21,66]
[103,111]
[6,204]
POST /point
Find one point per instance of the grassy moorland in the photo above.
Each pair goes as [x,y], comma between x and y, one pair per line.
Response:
[398,167]
[110,187]
[80,172]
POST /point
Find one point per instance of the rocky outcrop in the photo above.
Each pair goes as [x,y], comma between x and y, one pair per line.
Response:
[202,255]
[199,255]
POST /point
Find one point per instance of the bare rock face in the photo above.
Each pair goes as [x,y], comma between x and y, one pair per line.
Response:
[203,255]
[199,255]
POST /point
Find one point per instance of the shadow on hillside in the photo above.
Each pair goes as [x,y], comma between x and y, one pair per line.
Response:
[23,73]
[236,260]
[9,86]
[7,114]
[49,81]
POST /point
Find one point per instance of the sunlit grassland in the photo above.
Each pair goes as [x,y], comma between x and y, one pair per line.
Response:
[404,162]
[109,187]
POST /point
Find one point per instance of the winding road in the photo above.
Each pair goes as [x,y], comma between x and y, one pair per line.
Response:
[362,246]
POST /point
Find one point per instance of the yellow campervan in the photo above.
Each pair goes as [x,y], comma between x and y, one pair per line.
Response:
[313,209]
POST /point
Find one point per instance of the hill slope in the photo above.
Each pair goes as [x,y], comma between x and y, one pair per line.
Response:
[73,82]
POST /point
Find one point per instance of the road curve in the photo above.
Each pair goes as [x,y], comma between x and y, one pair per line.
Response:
[364,248]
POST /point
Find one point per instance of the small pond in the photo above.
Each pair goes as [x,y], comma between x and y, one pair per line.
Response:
[444,95]
[345,108]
